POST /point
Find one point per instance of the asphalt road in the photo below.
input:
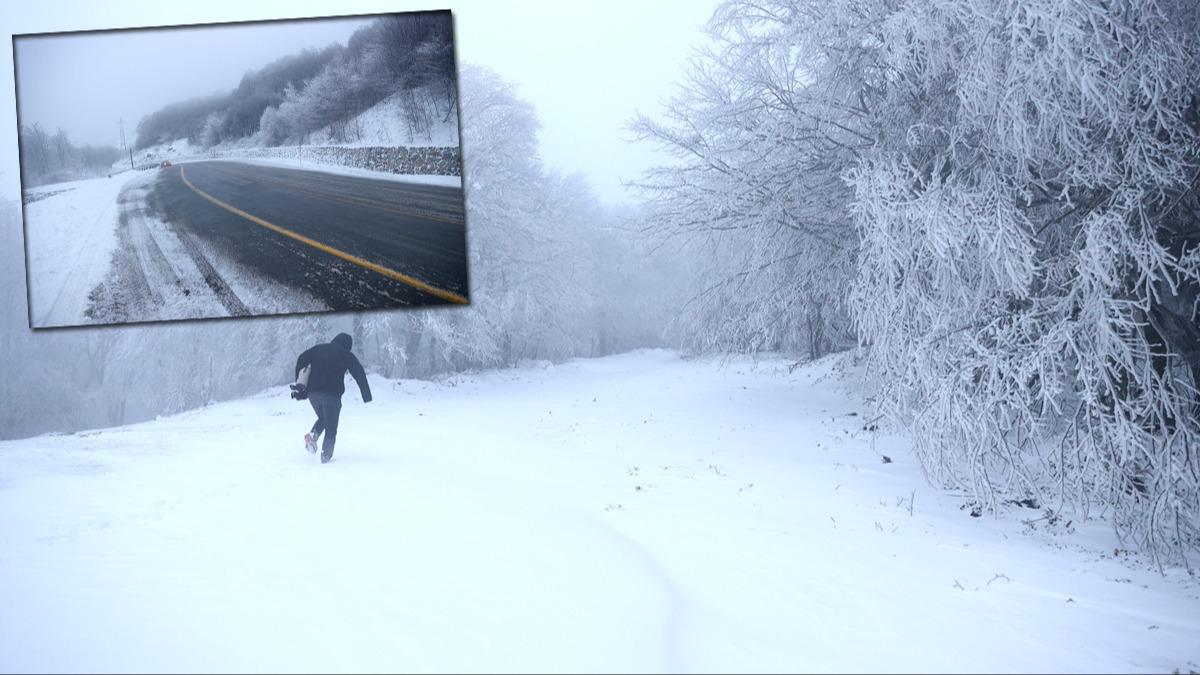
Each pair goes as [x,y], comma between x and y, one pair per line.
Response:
[355,243]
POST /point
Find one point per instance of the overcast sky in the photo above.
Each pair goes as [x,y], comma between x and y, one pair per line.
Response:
[85,82]
[587,66]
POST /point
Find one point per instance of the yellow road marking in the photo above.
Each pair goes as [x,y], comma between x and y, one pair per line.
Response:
[366,264]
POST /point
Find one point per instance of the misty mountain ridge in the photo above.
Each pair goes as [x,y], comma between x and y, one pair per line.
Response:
[316,95]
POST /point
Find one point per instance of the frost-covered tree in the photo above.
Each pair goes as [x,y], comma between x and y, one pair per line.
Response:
[1015,187]
[52,159]
[1027,279]
[210,133]
[272,127]
[183,119]
[756,197]
[320,91]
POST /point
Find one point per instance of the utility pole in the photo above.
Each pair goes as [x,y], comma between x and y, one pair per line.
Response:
[125,146]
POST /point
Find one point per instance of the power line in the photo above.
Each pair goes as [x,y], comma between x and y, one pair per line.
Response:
[124,145]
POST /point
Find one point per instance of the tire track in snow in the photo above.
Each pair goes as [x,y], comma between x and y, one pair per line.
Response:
[157,273]
[676,604]
[224,293]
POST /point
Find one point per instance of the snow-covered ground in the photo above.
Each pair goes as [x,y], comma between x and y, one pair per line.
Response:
[632,513]
[69,242]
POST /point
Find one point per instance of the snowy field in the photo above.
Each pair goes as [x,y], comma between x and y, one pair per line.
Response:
[69,242]
[632,513]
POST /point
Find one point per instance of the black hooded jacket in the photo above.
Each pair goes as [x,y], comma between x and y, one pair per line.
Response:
[329,362]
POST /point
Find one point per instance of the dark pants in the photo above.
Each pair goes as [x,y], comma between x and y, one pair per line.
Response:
[328,408]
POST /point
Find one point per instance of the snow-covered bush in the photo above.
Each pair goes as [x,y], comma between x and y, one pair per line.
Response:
[273,128]
[210,133]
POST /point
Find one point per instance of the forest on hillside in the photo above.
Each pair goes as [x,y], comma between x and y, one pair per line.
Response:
[410,56]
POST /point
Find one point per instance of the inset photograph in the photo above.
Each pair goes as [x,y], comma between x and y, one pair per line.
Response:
[247,169]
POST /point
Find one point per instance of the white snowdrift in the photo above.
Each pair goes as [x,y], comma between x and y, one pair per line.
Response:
[69,242]
[632,513]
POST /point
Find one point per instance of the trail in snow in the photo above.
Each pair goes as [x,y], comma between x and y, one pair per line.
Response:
[632,513]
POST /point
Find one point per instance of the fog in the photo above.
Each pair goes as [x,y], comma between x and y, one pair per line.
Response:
[85,82]
[588,67]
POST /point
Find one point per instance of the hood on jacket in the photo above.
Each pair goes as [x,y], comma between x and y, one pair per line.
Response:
[343,340]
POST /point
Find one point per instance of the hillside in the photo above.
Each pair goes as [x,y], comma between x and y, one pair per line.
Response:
[382,125]
[386,124]
[318,96]
[633,513]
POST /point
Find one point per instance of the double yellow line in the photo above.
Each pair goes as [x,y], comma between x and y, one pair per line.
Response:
[348,257]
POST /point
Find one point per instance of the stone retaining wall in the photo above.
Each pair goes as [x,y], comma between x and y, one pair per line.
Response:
[399,160]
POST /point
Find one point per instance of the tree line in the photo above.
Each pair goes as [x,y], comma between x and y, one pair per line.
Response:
[53,158]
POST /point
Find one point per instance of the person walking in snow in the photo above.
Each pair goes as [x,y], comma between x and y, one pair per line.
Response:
[327,365]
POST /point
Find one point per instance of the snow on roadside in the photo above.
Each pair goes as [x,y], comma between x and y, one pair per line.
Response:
[69,241]
[420,179]
[184,153]
[163,272]
[632,513]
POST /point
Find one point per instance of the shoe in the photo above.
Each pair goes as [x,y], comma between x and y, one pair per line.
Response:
[325,459]
[310,443]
